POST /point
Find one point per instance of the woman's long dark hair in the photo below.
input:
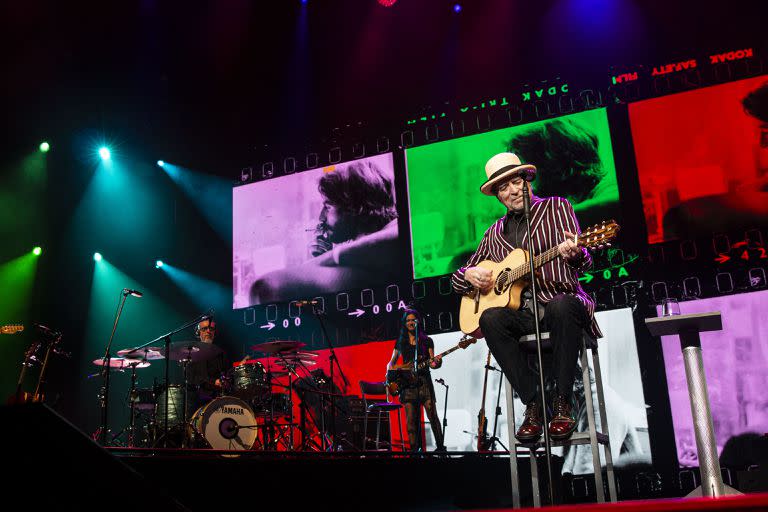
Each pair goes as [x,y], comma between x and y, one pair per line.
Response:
[402,340]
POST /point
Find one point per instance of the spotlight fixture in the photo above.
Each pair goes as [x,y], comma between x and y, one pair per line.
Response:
[160,163]
[44,147]
[104,153]
[387,3]
[37,251]
[457,8]
[159,263]
[97,256]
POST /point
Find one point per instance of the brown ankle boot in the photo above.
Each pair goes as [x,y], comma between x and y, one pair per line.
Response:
[531,429]
[562,424]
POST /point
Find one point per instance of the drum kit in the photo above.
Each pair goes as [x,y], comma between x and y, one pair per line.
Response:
[252,408]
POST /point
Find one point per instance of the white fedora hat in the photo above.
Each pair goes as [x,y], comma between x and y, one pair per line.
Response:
[501,167]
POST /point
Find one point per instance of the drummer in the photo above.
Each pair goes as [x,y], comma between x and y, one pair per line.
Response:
[206,375]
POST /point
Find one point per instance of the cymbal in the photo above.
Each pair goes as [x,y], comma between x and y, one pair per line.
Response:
[191,350]
[146,353]
[272,347]
[120,363]
[295,362]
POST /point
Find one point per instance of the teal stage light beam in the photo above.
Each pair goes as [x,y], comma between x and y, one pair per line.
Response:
[211,195]
[203,292]
[105,153]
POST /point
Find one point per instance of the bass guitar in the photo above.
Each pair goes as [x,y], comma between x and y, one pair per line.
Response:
[482,421]
[402,375]
[510,276]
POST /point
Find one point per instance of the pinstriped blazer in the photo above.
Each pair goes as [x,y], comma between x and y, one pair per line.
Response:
[550,216]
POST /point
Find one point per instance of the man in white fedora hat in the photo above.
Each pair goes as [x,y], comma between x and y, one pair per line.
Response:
[567,309]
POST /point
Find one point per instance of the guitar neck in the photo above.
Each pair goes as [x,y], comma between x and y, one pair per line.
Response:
[538,260]
[424,364]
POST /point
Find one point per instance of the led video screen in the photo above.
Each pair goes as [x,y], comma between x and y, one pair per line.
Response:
[735,362]
[464,372]
[702,159]
[317,232]
[449,215]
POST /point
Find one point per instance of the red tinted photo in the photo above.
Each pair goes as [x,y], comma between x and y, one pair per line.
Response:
[702,159]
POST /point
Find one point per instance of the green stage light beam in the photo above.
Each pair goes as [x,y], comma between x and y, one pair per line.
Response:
[37,251]
[17,278]
[44,147]
[210,194]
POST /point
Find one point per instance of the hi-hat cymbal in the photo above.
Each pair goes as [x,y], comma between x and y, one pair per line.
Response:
[146,353]
[271,347]
[191,350]
[120,363]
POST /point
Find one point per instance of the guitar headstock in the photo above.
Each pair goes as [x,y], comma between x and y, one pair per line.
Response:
[466,341]
[11,329]
[599,235]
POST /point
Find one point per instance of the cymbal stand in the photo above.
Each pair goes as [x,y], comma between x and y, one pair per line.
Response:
[132,401]
[184,364]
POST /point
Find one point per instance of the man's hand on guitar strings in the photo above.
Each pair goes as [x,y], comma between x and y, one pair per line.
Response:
[479,277]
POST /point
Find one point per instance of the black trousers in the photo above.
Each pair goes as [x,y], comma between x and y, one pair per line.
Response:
[565,317]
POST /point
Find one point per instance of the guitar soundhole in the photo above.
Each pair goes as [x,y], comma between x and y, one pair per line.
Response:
[502,282]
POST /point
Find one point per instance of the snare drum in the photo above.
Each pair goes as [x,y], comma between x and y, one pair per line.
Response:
[248,381]
[226,423]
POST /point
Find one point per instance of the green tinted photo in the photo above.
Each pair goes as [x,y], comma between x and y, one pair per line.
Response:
[449,215]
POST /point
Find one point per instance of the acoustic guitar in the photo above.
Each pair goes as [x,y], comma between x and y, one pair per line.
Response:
[510,276]
[402,374]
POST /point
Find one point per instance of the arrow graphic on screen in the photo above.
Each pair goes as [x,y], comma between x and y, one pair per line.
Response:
[358,313]
[722,258]
[268,325]
[587,277]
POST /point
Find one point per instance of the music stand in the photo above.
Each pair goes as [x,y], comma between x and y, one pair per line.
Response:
[688,327]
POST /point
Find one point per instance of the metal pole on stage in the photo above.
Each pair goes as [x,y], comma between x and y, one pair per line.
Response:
[534,290]
[106,361]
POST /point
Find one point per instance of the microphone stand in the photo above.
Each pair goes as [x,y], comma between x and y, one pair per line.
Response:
[417,441]
[106,361]
[332,358]
[445,408]
[166,339]
[534,291]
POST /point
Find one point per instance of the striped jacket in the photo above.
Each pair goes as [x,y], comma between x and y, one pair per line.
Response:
[549,217]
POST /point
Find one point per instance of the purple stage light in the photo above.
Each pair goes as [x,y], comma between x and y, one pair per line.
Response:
[457,8]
